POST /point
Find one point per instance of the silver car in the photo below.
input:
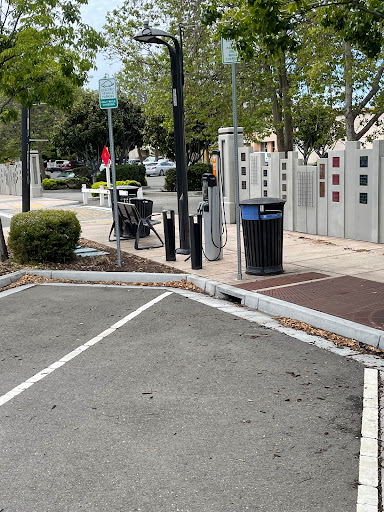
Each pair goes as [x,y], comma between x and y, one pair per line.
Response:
[159,168]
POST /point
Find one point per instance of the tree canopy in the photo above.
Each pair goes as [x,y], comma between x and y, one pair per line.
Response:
[316,126]
[327,48]
[276,22]
[146,76]
[46,52]
[84,132]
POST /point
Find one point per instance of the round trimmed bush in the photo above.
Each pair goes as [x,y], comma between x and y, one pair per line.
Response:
[44,235]
[51,184]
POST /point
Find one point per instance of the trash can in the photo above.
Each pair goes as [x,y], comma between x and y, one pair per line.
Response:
[144,207]
[262,221]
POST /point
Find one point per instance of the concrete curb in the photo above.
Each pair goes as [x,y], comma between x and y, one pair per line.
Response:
[8,279]
[268,305]
[124,277]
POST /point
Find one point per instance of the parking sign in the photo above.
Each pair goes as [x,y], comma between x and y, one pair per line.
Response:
[229,52]
[108,93]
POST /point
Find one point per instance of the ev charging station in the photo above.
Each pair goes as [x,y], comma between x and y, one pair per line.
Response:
[212,211]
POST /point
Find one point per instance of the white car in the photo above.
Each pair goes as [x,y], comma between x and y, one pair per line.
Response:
[159,168]
[149,160]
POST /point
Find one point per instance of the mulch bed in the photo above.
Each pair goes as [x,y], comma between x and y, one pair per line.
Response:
[104,263]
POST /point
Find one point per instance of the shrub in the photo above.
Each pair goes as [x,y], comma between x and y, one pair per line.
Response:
[44,235]
[118,183]
[194,174]
[170,180]
[51,184]
[127,172]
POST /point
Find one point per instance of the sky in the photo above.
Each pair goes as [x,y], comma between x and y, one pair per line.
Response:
[94,14]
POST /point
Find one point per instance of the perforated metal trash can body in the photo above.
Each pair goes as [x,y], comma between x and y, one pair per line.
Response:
[144,207]
[262,221]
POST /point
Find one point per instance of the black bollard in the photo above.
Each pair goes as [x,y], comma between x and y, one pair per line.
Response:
[196,241]
[169,235]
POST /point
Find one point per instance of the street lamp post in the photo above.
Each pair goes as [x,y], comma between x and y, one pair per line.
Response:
[25,159]
[154,36]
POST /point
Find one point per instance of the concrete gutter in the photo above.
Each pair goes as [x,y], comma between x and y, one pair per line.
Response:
[269,305]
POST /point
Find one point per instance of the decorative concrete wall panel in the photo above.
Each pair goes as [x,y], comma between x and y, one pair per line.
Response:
[322,196]
[336,193]
[10,179]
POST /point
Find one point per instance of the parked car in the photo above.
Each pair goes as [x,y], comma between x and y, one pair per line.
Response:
[149,160]
[50,165]
[59,164]
[133,161]
[159,168]
[71,164]
[65,175]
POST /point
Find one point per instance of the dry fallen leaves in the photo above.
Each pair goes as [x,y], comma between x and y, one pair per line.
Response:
[339,341]
[34,279]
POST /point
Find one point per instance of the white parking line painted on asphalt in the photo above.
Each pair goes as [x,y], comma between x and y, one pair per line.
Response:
[57,364]
[368,495]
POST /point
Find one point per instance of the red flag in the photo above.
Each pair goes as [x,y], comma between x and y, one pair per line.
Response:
[105,155]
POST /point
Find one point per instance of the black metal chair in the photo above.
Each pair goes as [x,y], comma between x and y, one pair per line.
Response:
[133,225]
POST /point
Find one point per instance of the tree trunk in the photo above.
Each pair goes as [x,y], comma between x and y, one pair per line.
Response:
[287,106]
[276,111]
[348,112]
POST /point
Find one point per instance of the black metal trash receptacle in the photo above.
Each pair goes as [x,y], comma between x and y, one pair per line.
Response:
[262,221]
[145,208]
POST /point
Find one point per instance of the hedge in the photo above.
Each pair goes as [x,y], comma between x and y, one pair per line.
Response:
[52,184]
[194,175]
[44,236]
[127,172]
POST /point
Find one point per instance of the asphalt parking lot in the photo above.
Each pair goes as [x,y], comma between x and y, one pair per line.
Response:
[142,399]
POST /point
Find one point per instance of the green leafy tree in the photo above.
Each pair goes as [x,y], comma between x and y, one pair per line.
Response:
[45,52]
[84,133]
[276,22]
[146,75]
[317,126]
[326,57]
[43,119]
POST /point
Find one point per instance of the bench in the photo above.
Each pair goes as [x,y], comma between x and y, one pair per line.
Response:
[132,225]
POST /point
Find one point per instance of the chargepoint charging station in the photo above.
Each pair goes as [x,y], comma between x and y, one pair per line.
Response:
[212,211]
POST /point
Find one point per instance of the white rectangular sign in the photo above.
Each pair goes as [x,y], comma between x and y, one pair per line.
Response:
[229,52]
[108,93]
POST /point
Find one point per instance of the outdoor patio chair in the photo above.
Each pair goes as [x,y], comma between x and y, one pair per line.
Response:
[132,225]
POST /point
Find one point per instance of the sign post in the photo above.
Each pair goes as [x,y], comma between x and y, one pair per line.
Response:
[230,55]
[108,100]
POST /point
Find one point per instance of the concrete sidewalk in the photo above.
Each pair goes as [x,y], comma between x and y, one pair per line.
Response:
[325,279]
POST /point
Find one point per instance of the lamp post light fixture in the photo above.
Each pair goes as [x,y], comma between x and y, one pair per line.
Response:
[155,36]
